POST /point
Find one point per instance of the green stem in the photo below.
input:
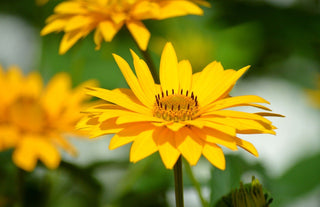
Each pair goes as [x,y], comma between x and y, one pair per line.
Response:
[178,183]
[195,184]
[147,57]
[20,187]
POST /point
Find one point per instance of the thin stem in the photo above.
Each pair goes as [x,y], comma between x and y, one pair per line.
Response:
[178,183]
[195,184]
[147,57]
[20,187]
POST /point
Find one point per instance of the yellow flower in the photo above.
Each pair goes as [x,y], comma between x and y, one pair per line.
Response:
[34,119]
[182,116]
[77,18]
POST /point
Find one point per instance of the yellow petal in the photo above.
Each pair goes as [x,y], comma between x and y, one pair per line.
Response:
[132,118]
[33,85]
[242,125]
[145,10]
[238,114]
[70,7]
[118,141]
[95,131]
[87,121]
[143,146]
[247,146]
[189,145]
[118,17]
[215,155]
[109,30]
[185,75]
[235,101]
[167,146]
[175,126]
[33,148]
[68,40]
[223,85]
[122,97]
[54,26]
[247,126]
[216,137]
[77,22]
[144,76]
[101,107]
[140,33]
[200,123]
[23,159]
[169,69]
[229,122]
[110,113]
[97,38]
[171,8]
[9,136]
[13,80]
[205,81]
[106,127]
[133,81]
[257,106]
[269,114]
[56,93]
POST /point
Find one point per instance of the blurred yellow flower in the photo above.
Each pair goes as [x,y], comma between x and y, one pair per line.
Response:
[77,18]
[182,116]
[34,119]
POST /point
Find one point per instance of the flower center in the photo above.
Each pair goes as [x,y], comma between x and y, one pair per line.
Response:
[175,106]
[27,114]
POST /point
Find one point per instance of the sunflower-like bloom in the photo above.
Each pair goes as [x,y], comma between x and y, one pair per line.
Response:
[34,119]
[184,115]
[77,18]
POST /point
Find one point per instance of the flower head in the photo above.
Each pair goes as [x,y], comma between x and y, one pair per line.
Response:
[184,115]
[33,119]
[77,18]
[248,195]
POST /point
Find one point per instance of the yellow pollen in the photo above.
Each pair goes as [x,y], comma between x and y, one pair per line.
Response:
[172,106]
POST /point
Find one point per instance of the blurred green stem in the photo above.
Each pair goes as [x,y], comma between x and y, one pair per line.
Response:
[196,184]
[20,187]
[178,183]
[133,174]
[147,57]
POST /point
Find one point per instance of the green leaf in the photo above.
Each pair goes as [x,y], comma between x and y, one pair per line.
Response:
[297,181]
